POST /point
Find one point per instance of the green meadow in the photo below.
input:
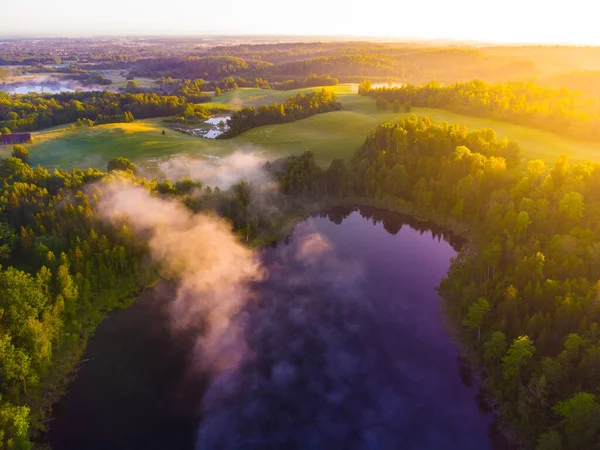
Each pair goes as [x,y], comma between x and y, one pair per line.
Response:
[330,135]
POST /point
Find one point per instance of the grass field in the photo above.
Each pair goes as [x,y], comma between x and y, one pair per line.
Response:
[331,135]
[259,97]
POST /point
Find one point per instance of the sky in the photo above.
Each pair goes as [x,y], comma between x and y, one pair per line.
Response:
[498,21]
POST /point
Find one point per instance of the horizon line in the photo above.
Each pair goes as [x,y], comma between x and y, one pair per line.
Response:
[302,38]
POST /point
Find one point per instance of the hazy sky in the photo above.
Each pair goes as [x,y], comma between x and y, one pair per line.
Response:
[545,21]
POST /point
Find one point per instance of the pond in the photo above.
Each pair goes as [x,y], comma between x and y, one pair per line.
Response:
[213,127]
[350,352]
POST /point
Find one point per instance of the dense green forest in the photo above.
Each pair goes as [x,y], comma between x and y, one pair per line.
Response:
[558,110]
[525,290]
[63,270]
[295,108]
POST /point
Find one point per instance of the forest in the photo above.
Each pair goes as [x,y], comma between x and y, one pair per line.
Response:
[311,80]
[295,108]
[524,290]
[38,111]
[62,270]
[558,110]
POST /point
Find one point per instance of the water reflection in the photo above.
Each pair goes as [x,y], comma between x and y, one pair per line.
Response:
[392,222]
[349,351]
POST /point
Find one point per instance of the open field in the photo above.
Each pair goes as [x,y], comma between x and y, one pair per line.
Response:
[330,135]
[258,97]
[534,143]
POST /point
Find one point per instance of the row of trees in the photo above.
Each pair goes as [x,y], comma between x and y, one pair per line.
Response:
[295,108]
[406,64]
[196,90]
[525,290]
[312,80]
[207,67]
[557,110]
[36,111]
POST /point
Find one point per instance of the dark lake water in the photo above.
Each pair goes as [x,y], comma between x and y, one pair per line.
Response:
[349,349]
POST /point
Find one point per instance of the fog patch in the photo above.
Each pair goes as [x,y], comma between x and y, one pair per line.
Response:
[294,349]
[311,376]
[218,172]
[212,268]
[48,84]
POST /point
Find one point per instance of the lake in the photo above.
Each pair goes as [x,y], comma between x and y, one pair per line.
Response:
[348,351]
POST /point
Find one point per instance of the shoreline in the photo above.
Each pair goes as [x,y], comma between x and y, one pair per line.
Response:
[476,372]
[512,439]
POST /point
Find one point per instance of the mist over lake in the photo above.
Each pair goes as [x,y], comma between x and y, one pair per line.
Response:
[348,350]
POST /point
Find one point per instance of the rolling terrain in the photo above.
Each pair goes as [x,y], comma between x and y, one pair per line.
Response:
[331,135]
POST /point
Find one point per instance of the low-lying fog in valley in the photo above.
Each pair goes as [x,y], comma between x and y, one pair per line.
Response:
[46,84]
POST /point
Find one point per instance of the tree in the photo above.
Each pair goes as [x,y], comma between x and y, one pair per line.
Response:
[560,170]
[68,290]
[381,103]
[7,240]
[217,91]
[132,86]
[7,235]
[5,130]
[364,87]
[186,185]
[536,168]
[550,440]
[396,106]
[476,314]
[407,107]
[14,426]
[20,152]
[519,353]
[495,347]
[121,164]
[523,222]
[580,420]
[572,206]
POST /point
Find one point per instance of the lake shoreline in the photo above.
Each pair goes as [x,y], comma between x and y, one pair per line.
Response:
[511,438]
[306,211]
[316,212]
